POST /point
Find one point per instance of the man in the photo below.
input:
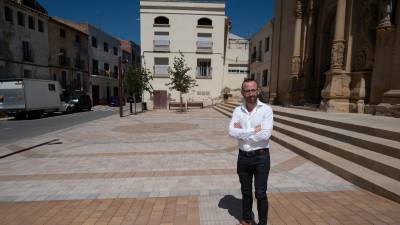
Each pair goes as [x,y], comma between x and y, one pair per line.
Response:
[252,125]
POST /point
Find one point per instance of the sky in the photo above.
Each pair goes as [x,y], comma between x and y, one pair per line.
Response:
[120,18]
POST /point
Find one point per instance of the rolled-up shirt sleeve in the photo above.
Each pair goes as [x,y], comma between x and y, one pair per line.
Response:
[239,133]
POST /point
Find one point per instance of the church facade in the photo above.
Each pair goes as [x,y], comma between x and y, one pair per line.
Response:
[337,55]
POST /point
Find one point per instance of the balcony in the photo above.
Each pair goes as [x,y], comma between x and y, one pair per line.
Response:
[79,64]
[203,72]
[161,71]
[161,45]
[204,46]
[64,61]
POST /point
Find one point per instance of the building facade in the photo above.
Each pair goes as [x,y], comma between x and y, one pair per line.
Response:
[104,51]
[236,64]
[260,59]
[198,30]
[338,55]
[24,48]
[68,56]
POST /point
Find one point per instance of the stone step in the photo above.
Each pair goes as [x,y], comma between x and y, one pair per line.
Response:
[357,174]
[373,143]
[223,111]
[380,163]
[227,107]
[330,119]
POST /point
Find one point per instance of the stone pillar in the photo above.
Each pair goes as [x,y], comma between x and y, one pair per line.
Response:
[336,92]
[296,59]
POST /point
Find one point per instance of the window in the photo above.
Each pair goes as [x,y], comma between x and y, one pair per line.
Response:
[28,74]
[203,68]
[64,79]
[265,78]
[115,71]
[40,26]
[161,20]
[62,32]
[8,13]
[115,51]
[21,19]
[95,65]
[105,46]
[52,87]
[204,22]
[259,53]
[78,81]
[161,66]
[94,42]
[77,39]
[106,69]
[27,53]
[161,41]
[267,44]
[31,22]
[63,58]
[204,42]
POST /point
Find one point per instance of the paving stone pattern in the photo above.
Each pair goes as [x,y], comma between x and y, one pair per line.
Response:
[164,167]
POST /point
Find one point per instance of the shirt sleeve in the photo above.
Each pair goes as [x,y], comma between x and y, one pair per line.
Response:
[266,127]
[239,133]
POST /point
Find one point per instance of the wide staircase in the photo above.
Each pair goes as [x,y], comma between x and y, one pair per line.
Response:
[362,149]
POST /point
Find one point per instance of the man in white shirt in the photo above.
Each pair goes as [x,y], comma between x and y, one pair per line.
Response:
[252,124]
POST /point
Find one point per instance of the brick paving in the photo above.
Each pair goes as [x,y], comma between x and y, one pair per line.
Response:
[163,167]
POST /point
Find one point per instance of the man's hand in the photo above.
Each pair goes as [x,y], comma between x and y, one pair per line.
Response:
[237,125]
[257,128]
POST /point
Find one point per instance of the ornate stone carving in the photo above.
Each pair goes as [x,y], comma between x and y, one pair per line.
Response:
[386,10]
[299,9]
[337,57]
[295,65]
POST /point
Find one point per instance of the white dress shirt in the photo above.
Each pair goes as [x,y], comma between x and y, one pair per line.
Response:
[248,139]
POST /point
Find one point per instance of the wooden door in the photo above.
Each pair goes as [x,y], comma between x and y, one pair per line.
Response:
[160,99]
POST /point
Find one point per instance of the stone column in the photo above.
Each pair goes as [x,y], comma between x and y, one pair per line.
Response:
[296,59]
[336,92]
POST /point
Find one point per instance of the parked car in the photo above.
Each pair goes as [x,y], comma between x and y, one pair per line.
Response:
[113,101]
[79,103]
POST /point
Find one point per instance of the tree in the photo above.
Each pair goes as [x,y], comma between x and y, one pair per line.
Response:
[180,80]
[137,80]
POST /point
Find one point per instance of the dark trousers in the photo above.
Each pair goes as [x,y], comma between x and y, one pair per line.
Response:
[255,165]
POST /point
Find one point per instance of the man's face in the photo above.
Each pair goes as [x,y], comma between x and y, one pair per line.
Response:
[250,92]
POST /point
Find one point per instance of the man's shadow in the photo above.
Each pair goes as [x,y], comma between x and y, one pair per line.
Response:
[233,205]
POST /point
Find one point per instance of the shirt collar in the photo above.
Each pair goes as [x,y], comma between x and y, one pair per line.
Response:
[243,106]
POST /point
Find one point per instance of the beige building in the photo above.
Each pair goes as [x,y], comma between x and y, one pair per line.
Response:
[199,30]
[260,59]
[24,43]
[68,56]
[339,55]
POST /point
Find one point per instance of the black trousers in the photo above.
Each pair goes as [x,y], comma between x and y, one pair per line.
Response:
[255,165]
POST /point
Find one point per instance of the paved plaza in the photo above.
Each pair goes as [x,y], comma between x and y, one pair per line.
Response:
[169,168]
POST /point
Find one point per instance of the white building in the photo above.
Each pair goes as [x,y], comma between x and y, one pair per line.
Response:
[24,44]
[198,29]
[260,59]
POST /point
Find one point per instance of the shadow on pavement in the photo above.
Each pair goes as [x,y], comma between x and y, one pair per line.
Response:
[232,204]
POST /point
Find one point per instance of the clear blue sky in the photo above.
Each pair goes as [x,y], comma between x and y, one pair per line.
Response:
[120,17]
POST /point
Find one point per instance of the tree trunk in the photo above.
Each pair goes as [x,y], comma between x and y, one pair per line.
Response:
[180,96]
[134,101]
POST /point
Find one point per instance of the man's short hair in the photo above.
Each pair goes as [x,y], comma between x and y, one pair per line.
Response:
[246,80]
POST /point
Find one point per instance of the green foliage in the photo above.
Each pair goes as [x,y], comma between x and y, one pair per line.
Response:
[180,80]
[137,80]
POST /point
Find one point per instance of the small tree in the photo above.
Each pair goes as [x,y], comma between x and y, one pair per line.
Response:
[180,80]
[137,80]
